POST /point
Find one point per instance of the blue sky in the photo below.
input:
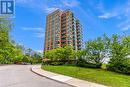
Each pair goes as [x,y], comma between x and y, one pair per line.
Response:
[97,17]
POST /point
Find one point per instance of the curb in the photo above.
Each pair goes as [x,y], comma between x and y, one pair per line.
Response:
[73,82]
[50,78]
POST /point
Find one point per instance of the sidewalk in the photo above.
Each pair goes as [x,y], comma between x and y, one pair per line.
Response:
[64,79]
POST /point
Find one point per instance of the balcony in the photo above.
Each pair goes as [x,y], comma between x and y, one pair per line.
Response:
[63,32]
[63,35]
[78,27]
[78,35]
[78,31]
[63,25]
[63,22]
[63,18]
[79,39]
[63,29]
[63,41]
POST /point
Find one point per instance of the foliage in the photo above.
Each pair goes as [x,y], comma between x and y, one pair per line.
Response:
[10,52]
[83,63]
[95,50]
[111,79]
[116,48]
[60,54]
[93,54]
[6,48]
[120,50]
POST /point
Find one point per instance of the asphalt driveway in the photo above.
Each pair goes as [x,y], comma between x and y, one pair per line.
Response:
[21,76]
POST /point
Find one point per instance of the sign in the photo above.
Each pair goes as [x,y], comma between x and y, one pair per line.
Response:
[6,7]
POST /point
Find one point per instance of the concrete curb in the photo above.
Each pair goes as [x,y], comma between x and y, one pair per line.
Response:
[5,64]
[49,78]
[71,81]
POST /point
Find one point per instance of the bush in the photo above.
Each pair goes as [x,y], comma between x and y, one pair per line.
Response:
[58,54]
[83,63]
[120,67]
[120,49]
[57,63]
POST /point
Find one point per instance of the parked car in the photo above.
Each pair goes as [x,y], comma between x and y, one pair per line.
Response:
[21,63]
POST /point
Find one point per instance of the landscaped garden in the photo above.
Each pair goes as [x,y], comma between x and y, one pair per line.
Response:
[90,63]
[94,75]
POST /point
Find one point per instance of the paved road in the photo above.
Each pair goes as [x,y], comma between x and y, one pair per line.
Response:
[21,76]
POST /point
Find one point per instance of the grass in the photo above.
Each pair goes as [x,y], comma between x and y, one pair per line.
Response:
[94,75]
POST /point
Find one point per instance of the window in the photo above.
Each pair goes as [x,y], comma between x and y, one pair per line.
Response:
[57,42]
[57,38]
[69,42]
[52,21]
[48,37]
[58,12]
[52,16]
[56,34]
[52,29]
[70,38]
[57,30]
[57,16]
[57,26]
[57,21]
[48,33]
[52,24]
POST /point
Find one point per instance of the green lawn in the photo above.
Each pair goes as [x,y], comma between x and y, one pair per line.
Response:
[94,75]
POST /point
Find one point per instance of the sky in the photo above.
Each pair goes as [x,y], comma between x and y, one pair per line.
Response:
[96,16]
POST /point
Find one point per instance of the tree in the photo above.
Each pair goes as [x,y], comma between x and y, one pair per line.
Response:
[29,52]
[50,54]
[95,50]
[68,53]
[10,52]
[119,61]
[60,54]
[5,45]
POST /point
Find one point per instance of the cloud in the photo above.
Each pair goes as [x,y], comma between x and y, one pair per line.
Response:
[48,6]
[113,12]
[100,6]
[61,4]
[50,9]
[121,12]
[39,35]
[125,25]
[37,31]
[32,28]
[70,3]
[108,15]
[33,5]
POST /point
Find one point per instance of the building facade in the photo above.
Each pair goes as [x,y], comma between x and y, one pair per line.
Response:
[62,29]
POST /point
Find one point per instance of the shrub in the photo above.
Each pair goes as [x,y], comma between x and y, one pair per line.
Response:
[57,63]
[65,53]
[120,66]
[83,63]
[120,49]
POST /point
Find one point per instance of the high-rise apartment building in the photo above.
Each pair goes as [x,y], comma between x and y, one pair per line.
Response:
[62,29]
